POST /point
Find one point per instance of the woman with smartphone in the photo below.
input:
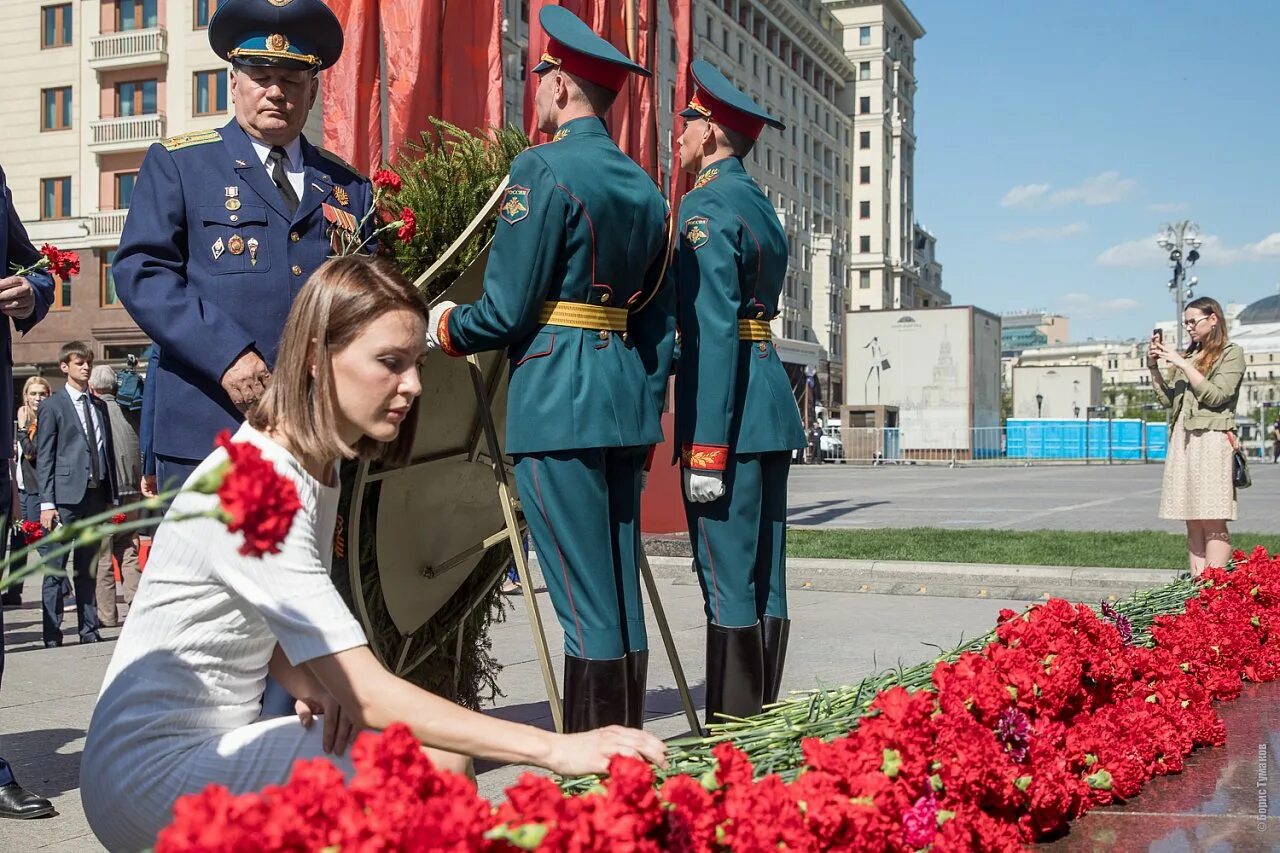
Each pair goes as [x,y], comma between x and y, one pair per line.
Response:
[1200,390]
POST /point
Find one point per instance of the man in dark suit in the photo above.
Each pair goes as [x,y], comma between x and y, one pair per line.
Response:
[25,299]
[76,470]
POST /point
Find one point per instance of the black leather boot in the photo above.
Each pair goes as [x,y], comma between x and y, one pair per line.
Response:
[595,693]
[637,679]
[19,803]
[735,671]
[775,632]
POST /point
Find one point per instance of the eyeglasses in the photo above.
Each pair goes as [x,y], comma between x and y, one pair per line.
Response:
[1191,324]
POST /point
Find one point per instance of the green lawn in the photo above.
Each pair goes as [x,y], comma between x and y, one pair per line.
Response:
[1142,549]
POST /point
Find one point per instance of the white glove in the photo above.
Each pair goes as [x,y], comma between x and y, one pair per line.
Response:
[703,486]
[433,322]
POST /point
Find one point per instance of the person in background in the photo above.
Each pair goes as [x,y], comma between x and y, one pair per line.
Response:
[34,392]
[179,706]
[24,301]
[1201,391]
[123,547]
[1275,438]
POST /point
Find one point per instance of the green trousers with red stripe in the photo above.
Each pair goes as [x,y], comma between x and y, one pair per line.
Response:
[740,541]
[583,509]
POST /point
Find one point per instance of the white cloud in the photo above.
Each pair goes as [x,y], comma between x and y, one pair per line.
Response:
[1024,195]
[1106,188]
[1049,233]
[1214,251]
[1168,207]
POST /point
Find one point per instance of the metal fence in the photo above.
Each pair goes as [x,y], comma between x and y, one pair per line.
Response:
[1018,442]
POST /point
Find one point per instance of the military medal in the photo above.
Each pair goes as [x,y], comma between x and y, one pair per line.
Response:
[235,245]
[253,251]
[341,195]
[233,200]
[218,248]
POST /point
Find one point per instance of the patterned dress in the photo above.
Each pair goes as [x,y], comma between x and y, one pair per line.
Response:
[1197,475]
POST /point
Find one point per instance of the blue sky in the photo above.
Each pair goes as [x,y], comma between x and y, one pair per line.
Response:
[1054,138]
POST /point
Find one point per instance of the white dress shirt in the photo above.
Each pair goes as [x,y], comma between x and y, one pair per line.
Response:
[292,161]
[98,429]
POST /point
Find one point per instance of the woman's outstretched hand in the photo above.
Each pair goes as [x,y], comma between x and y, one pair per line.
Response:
[1157,349]
[589,752]
[339,729]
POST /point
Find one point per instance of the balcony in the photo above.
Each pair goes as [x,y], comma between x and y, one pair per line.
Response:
[105,227]
[131,133]
[129,49]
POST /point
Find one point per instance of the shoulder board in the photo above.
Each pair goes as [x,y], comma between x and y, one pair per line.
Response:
[195,137]
[334,158]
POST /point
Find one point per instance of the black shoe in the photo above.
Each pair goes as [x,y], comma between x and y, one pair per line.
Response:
[637,677]
[595,693]
[92,638]
[20,804]
[53,644]
[775,631]
[11,597]
[735,671]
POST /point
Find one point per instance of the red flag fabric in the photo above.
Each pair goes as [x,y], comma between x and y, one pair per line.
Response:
[411,34]
[352,101]
[682,23]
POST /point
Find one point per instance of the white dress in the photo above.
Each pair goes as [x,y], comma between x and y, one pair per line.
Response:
[180,705]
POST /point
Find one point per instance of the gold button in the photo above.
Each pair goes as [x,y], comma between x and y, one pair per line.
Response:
[297,270]
[604,297]
[762,346]
[604,334]
[295,236]
[759,313]
[234,217]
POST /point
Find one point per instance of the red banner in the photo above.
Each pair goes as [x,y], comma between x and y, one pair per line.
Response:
[352,114]
[682,22]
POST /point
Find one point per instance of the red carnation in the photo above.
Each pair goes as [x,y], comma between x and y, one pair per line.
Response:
[409,226]
[259,502]
[62,264]
[387,180]
[32,531]
[119,518]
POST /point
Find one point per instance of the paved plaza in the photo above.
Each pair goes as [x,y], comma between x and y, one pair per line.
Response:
[1054,497]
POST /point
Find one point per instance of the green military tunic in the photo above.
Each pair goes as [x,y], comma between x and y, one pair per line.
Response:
[735,411]
[584,230]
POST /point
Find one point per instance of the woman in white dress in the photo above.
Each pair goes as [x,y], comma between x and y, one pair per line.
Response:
[180,706]
[1201,392]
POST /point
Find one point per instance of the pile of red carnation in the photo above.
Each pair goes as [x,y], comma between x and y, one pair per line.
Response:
[1055,716]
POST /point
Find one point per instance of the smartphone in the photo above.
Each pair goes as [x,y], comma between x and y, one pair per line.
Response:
[1158,334]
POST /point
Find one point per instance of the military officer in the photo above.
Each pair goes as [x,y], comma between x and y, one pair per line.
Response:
[736,418]
[574,292]
[226,225]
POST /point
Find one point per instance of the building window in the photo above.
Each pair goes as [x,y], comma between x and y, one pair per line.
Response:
[864,105]
[210,95]
[204,10]
[107,297]
[864,70]
[55,26]
[55,108]
[864,279]
[55,198]
[864,35]
[136,98]
[864,210]
[136,14]
[125,182]
[864,140]
[864,174]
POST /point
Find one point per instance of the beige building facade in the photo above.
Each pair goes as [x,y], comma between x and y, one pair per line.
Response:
[107,80]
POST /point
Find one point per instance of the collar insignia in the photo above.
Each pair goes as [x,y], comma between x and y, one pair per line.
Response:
[560,134]
[706,178]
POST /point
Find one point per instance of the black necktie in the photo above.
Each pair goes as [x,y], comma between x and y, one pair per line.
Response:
[95,467]
[281,180]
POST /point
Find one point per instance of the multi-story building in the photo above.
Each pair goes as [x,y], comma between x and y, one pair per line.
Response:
[879,39]
[108,79]
[1023,330]
[788,55]
[929,292]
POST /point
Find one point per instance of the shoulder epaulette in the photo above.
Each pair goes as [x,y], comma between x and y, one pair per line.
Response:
[334,158]
[195,137]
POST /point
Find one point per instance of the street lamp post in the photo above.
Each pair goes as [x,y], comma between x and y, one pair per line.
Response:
[1039,406]
[1180,236]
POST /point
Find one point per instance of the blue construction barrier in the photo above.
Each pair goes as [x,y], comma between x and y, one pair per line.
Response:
[1049,438]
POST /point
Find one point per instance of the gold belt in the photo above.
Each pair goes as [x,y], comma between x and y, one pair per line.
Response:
[754,330]
[580,315]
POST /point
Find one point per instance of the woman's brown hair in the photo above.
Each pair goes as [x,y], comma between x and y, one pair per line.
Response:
[335,305]
[1209,349]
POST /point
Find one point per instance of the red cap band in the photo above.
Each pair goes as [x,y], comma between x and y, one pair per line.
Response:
[608,74]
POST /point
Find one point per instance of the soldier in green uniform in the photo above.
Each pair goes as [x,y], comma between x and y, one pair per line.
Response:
[574,291]
[736,418]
